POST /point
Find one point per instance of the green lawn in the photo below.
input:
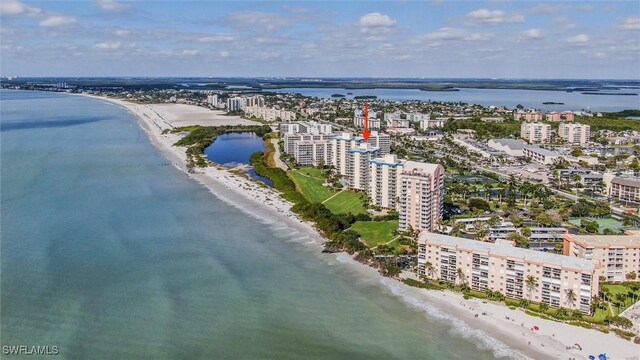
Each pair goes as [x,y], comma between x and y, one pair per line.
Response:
[374,233]
[309,182]
[623,289]
[347,202]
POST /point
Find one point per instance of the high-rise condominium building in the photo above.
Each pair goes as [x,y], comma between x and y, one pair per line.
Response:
[535,132]
[383,185]
[358,172]
[421,196]
[574,133]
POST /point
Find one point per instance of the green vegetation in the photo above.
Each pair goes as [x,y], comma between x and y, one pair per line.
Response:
[598,225]
[279,177]
[347,202]
[374,233]
[310,183]
[485,130]
[608,122]
[199,137]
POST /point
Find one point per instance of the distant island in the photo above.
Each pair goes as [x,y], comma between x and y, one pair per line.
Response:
[439,88]
[552,103]
[365,97]
[604,93]
[337,95]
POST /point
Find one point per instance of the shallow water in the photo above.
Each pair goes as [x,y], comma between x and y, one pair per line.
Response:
[107,252]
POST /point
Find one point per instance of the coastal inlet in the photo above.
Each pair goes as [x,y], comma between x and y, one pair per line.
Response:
[234,150]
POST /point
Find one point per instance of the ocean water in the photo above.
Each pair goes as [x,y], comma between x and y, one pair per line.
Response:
[109,253]
[573,101]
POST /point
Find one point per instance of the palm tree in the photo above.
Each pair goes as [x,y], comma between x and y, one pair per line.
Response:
[544,307]
[461,275]
[571,297]
[620,298]
[430,269]
[531,283]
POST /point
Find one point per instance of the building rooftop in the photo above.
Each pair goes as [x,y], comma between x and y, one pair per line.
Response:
[626,181]
[541,151]
[606,240]
[409,166]
[511,143]
[508,251]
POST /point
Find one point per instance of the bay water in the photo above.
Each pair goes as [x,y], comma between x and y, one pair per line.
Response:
[108,252]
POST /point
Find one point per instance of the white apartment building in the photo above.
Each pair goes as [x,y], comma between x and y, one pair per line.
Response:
[313,127]
[504,268]
[358,172]
[574,133]
[418,116]
[212,99]
[235,103]
[383,189]
[291,139]
[432,123]
[340,148]
[358,119]
[269,114]
[312,152]
[256,100]
[535,132]
[622,188]
[380,140]
[540,155]
[289,128]
[617,255]
[308,127]
[421,196]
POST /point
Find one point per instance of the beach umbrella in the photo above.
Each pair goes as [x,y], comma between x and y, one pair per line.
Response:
[577,346]
[535,327]
[591,357]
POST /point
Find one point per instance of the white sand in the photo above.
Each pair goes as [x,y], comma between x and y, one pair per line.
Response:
[515,332]
[183,115]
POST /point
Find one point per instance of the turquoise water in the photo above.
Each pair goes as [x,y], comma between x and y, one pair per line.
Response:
[573,101]
[109,253]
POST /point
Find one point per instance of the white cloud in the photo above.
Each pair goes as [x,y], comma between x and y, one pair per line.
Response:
[376,19]
[456,34]
[223,54]
[548,9]
[17,8]
[216,38]
[58,20]
[109,45]
[258,21]
[190,52]
[493,17]
[532,34]
[630,23]
[113,6]
[578,39]
[121,32]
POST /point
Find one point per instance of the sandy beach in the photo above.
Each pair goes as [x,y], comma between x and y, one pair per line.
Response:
[509,333]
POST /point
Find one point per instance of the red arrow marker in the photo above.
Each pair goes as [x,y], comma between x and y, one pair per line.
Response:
[366,132]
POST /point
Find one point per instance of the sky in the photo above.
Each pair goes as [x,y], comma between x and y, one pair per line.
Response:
[430,39]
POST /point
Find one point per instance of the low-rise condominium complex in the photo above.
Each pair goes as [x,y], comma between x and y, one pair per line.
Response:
[617,255]
[517,273]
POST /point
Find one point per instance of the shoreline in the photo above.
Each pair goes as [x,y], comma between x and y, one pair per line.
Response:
[507,333]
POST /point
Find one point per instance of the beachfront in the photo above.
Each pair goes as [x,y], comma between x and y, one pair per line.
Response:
[512,327]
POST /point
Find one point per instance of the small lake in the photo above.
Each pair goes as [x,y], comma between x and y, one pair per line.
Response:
[235,149]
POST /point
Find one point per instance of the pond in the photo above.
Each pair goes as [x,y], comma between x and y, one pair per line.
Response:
[235,149]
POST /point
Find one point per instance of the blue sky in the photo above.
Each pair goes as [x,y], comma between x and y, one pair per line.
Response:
[521,39]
